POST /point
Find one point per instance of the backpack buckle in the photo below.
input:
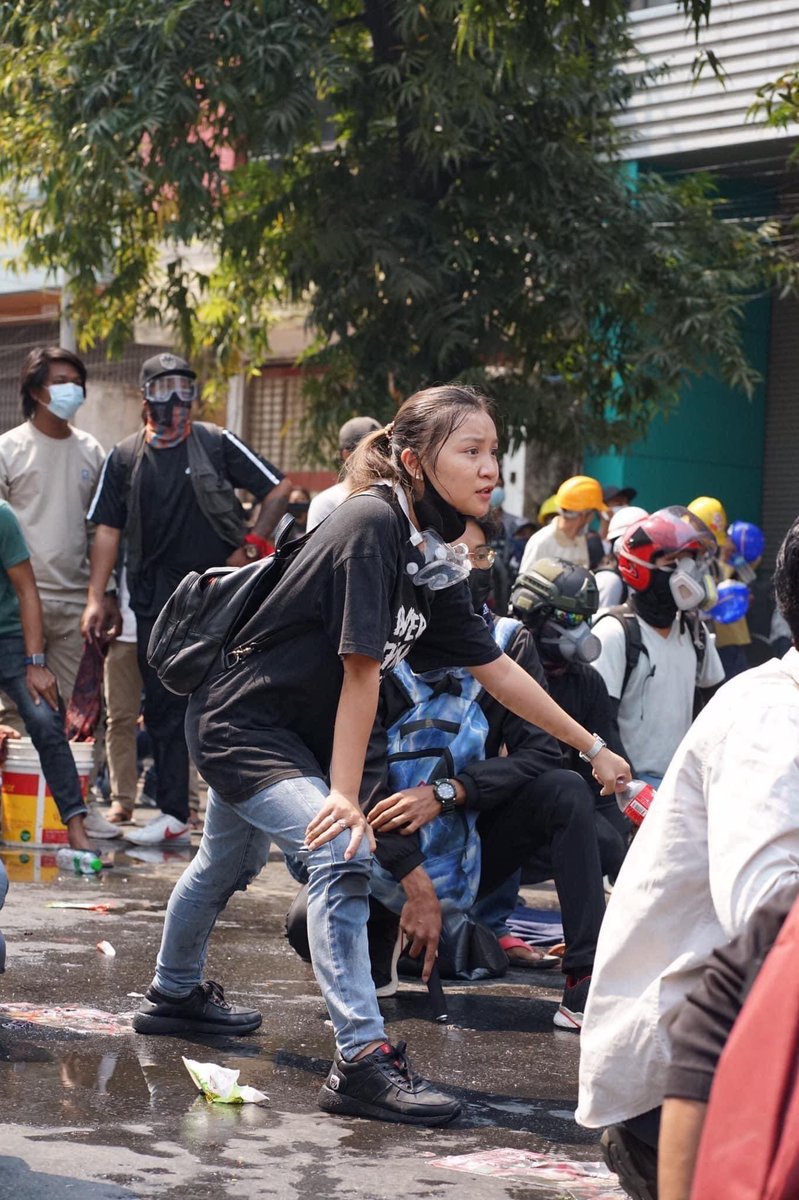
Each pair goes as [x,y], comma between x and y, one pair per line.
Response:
[233,657]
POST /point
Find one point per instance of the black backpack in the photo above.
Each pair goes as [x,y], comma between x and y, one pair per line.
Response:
[633,642]
[198,625]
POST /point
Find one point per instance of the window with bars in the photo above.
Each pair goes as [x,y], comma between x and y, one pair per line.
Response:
[274,410]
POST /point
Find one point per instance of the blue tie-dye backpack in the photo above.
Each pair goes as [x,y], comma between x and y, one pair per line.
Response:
[442,730]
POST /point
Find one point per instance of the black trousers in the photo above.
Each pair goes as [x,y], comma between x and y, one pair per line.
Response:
[553,813]
[165,717]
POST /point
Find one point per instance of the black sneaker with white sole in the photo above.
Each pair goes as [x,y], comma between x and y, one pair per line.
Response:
[572,1007]
[383,1085]
[204,1010]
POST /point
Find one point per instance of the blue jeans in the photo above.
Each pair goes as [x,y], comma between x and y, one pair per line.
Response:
[233,850]
[3,892]
[45,727]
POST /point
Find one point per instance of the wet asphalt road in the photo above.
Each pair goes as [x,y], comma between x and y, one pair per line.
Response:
[104,1117]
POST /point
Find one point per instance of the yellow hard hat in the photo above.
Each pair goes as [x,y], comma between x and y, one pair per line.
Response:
[711,511]
[579,494]
[549,508]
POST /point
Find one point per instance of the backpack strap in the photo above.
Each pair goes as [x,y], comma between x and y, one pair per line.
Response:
[633,642]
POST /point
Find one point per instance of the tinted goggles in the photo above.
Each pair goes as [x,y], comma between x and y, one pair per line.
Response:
[568,619]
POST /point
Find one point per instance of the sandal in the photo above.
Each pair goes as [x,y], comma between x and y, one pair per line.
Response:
[522,954]
[118,815]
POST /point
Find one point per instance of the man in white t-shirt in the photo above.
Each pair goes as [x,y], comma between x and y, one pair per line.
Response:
[721,838]
[351,433]
[48,473]
[656,655]
[578,499]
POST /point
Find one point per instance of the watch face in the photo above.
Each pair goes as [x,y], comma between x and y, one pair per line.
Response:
[445,791]
[251,551]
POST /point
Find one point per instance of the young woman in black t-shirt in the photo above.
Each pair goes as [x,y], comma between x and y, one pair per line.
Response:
[281,738]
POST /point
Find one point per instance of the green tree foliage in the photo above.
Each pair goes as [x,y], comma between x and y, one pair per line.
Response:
[437,183]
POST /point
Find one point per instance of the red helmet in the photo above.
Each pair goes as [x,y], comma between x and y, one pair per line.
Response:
[667,531]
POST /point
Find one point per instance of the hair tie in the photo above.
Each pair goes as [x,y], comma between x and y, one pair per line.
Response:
[389,429]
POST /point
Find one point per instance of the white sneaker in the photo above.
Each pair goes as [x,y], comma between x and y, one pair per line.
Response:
[96,825]
[161,830]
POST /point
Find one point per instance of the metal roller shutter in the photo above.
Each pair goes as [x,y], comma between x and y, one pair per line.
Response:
[781,460]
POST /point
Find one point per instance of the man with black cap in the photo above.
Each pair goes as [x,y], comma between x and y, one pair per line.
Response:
[350,434]
[170,490]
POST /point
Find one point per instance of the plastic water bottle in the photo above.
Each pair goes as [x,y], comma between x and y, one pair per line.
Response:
[82,862]
[635,800]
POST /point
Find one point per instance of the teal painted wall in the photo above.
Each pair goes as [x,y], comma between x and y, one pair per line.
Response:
[711,445]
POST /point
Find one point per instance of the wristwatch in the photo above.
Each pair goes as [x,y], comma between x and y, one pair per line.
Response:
[446,794]
[589,755]
[35,660]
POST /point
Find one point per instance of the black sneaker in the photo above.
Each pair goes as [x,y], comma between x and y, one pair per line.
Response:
[632,1160]
[572,1006]
[204,1010]
[383,1085]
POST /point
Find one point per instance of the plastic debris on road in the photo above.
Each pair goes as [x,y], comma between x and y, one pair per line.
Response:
[221,1085]
[68,1016]
[101,906]
[107,949]
[577,1180]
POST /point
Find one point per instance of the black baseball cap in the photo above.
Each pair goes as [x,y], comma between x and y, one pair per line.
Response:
[164,364]
[355,430]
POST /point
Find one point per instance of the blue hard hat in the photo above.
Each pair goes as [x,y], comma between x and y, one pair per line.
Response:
[749,540]
[732,604]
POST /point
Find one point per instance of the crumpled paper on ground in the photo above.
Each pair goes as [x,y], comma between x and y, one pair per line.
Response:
[221,1085]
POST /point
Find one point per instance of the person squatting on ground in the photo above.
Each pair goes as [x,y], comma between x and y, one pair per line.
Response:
[169,490]
[721,838]
[557,602]
[657,651]
[26,680]
[282,736]
[512,782]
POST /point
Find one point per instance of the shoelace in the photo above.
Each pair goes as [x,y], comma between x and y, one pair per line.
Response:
[399,1065]
[214,991]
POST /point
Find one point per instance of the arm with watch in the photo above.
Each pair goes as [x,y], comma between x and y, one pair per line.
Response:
[40,681]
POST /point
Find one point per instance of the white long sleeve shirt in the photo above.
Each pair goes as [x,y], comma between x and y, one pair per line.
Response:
[721,837]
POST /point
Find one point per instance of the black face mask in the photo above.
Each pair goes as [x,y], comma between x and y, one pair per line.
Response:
[656,605]
[480,586]
[434,512]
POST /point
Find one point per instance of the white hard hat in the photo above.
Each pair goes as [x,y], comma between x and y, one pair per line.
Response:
[623,518]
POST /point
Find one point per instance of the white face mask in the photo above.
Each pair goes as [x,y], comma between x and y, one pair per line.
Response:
[575,645]
[65,399]
[691,586]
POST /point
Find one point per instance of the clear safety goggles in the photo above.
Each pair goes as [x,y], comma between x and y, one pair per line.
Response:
[483,557]
[163,387]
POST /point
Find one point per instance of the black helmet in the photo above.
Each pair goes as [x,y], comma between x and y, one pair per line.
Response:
[553,585]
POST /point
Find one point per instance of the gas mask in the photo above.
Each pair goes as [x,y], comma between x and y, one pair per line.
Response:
[691,585]
[571,643]
[443,566]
